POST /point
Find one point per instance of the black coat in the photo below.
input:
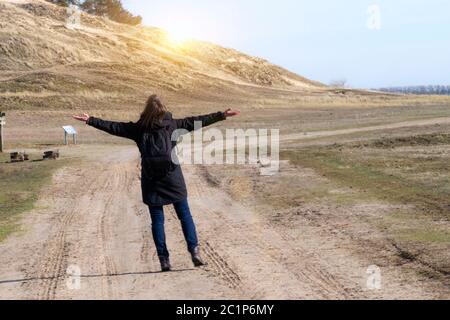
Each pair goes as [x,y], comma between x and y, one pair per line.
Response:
[171,188]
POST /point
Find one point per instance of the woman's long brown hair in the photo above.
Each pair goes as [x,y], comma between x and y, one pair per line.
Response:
[153,113]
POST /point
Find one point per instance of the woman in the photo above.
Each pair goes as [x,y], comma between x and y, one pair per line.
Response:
[162,179]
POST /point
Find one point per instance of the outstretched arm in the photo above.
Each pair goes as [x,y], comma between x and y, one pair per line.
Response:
[120,129]
[206,120]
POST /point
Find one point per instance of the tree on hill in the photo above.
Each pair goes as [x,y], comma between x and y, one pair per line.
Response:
[65,3]
[112,9]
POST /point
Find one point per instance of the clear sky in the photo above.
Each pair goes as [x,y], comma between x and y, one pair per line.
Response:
[397,42]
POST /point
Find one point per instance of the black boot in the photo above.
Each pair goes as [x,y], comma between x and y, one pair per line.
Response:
[165,264]
[196,259]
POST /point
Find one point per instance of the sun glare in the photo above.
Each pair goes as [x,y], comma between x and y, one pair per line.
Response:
[178,35]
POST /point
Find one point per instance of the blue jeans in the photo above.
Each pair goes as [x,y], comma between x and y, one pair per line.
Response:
[187,224]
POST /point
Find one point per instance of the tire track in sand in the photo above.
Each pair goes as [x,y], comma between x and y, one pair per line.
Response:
[53,267]
[269,250]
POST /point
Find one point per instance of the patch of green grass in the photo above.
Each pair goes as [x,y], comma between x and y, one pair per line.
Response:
[20,184]
[400,177]
[418,140]
[6,229]
[406,227]
[370,176]
[425,235]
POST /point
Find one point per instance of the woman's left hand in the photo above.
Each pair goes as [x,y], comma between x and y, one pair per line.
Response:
[232,113]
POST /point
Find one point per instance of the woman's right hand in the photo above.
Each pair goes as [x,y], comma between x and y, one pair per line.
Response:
[84,117]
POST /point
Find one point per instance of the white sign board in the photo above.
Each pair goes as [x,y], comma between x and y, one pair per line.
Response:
[69,130]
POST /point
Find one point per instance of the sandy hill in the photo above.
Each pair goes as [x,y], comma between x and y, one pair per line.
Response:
[105,66]
[41,56]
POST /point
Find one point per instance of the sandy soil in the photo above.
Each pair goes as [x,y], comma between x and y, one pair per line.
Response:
[92,218]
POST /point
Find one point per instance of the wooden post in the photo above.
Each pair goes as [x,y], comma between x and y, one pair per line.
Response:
[2,123]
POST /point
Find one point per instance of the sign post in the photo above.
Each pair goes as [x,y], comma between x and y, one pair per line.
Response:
[2,123]
[70,131]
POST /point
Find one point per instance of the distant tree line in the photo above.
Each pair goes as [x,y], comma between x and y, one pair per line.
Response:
[112,9]
[429,90]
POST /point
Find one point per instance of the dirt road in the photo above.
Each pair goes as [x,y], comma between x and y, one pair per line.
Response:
[397,125]
[91,221]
